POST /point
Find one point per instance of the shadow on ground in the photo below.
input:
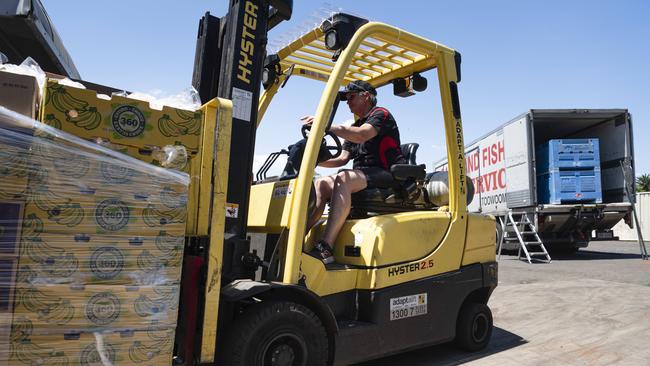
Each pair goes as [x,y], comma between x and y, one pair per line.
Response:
[581,255]
[446,354]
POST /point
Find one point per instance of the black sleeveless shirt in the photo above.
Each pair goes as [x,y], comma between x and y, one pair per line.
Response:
[383,150]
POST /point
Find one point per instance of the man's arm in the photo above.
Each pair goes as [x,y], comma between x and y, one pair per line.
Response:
[357,135]
[338,161]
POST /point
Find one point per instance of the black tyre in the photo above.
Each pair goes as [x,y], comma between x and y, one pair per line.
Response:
[474,327]
[277,334]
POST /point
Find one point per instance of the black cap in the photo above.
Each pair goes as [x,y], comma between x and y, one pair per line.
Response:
[357,86]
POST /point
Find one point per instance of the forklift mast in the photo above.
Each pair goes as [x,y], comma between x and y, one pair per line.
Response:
[229,59]
[228,63]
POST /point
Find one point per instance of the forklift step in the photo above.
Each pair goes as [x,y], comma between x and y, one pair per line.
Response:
[337,267]
[350,324]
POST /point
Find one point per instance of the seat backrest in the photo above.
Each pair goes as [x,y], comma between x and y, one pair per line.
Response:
[408,150]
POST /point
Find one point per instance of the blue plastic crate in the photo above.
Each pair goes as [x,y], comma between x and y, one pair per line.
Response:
[570,186]
[567,153]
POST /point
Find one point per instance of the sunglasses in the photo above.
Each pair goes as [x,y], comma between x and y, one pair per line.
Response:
[351,96]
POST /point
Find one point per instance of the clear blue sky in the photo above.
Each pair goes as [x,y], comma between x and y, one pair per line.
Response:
[517,55]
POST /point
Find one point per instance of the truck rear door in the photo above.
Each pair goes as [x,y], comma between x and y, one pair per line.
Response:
[520,175]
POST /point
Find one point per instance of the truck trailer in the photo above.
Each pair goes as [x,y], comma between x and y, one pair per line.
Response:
[504,165]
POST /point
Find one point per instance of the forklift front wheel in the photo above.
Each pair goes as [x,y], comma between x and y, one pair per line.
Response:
[474,327]
[278,334]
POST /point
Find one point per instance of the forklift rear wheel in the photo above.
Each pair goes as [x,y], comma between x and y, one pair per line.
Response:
[278,334]
[474,327]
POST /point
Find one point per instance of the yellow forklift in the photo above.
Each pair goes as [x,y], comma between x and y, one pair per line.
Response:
[413,268]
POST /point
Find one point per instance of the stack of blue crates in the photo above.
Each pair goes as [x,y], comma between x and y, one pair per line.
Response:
[568,171]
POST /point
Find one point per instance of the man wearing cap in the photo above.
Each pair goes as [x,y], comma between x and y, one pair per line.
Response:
[373,143]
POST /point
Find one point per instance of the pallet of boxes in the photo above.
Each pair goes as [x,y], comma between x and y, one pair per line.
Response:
[92,234]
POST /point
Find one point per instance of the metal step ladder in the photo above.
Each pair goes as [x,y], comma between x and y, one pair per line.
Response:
[525,233]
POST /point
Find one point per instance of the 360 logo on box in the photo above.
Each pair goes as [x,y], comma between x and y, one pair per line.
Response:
[112,214]
[128,121]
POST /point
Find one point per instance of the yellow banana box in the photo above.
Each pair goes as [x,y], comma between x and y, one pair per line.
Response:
[121,120]
[152,347]
[156,155]
[112,216]
[90,308]
[65,259]
[83,175]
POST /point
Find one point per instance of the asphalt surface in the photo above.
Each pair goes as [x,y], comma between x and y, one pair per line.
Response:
[588,308]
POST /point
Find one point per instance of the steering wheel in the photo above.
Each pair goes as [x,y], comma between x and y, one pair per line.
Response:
[334,150]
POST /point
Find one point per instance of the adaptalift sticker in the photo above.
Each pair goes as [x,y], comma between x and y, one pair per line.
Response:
[408,306]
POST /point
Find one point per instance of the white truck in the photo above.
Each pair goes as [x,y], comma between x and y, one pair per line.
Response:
[502,166]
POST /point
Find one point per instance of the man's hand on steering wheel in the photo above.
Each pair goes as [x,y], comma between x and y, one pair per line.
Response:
[334,150]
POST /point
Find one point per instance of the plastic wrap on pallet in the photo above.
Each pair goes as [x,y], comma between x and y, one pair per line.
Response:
[91,246]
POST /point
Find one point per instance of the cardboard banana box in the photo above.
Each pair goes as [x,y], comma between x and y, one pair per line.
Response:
[113,216]
[120,120]
[91,308]
[86,175]
[152,347]
[63,259]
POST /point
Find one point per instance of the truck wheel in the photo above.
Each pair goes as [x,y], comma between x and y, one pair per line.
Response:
[474,327]
[277,334]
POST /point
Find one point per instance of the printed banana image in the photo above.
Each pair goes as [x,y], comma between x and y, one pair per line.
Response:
[138,352]
[51,120]
[31,354]
[193,125]
[88,118]
[168,127]
[146,307]
[160,336]
[156,218]
[148,262]
[171,246]
[162,340]
[62,101]
[26,275]
[14,164]
[39,251]
[167,295]
[32,227]
[71,166]
[59,209]
[44,198]
[53,311]
[185,115]
[59,313]
[61,266]
[172,199]
[21,329]
[68,215]
[55,266]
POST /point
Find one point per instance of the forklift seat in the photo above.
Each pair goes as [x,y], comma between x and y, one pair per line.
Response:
[393,199]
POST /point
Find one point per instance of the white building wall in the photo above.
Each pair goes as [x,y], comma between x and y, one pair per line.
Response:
[624,232]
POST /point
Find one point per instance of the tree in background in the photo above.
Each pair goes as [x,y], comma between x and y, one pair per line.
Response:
[643,183]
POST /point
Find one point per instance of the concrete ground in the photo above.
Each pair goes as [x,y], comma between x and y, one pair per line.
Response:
[591,308]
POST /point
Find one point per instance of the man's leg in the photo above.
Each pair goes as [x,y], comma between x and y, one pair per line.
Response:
[324,187]
[346,183]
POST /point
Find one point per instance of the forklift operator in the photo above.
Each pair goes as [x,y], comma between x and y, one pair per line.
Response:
[373,143]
